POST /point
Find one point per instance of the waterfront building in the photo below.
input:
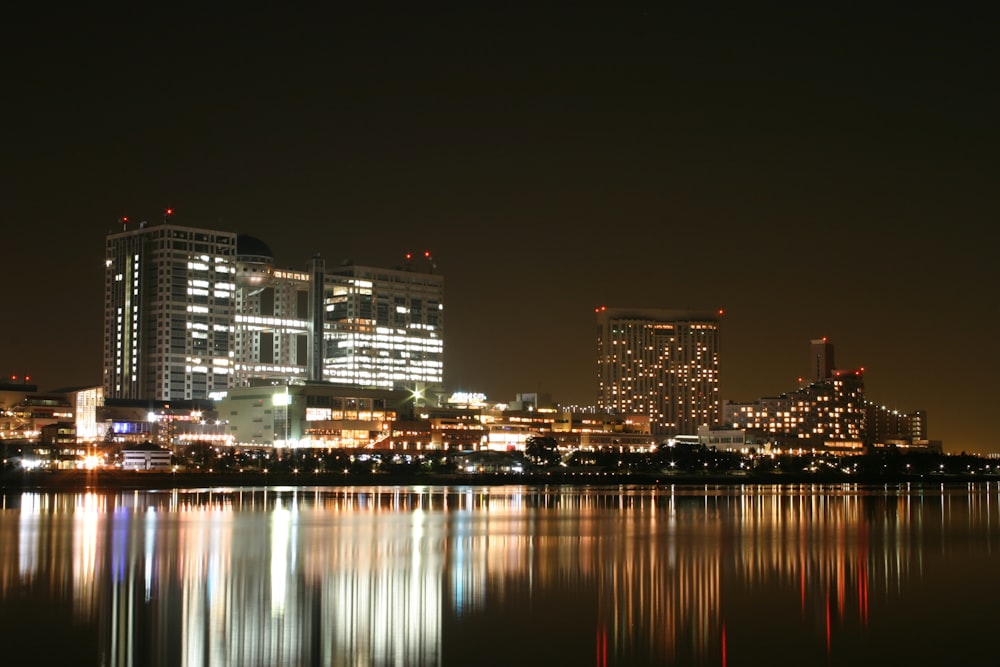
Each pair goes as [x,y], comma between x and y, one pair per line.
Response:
[13,392]
[170,424]
[825,412]
[384,327]
[353,325]
[146,456]
[887,425]
[831,410]
[191,313]
[169,308]
[723,439]
[660,363]
[312,414]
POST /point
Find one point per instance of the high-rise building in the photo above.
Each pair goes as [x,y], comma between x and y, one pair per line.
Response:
[168,312]
[829,409]
[383,328]
[353,325]
[190,313]
[660,363]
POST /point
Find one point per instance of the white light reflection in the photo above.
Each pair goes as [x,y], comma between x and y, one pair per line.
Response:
[280,530]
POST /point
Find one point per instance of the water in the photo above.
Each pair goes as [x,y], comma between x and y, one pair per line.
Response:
[505,575]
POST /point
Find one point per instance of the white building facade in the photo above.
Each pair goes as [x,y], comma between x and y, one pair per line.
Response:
[169,295]
[191,313]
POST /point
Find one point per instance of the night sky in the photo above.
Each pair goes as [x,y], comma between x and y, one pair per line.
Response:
[817,172]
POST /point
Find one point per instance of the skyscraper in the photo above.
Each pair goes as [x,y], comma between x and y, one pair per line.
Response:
[352,325]
[660,363]
[168,312]
[383,327]
[190,313]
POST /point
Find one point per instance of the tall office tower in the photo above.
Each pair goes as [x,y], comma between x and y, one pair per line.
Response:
[273,329]
[822,364]
[168,312]
[384,327]
[356,325]
[660,363]
[192,312]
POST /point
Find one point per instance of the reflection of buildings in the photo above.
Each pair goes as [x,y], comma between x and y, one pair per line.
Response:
[663,364]
[381,575]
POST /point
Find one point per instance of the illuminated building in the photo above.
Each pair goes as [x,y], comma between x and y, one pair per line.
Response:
[312,415]
[383,327]
[886,425]
[831,410]
[168,312]
[354,325]
[660,363]
[191,313]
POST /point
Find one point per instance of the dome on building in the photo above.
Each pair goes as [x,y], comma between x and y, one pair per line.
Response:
[254,262]
[251,246]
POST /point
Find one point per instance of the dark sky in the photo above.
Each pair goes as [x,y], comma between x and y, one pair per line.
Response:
[818,172]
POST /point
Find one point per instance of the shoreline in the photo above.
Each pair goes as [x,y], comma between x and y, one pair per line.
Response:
[118,480]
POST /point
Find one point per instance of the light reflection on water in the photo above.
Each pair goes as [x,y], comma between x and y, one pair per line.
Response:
[499,575]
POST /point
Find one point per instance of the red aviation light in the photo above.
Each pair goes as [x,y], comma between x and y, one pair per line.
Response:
[409,256]
[721,311]
[427,254]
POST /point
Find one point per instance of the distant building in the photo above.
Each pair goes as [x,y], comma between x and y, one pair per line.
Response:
[886,425]
[826,411]
[832,410]
[660,363]
[170,424]
[169,309]
[57,447]
[146,456]
[14,423]
[191,313]
[312,415]
[723,440]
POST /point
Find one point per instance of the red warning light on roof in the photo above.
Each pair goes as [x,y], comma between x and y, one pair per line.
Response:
[169,211]
[427,253]
[409,256]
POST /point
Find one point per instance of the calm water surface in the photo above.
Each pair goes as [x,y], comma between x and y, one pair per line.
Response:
[506,575]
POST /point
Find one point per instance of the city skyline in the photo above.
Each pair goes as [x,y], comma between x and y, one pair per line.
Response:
[812,174]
